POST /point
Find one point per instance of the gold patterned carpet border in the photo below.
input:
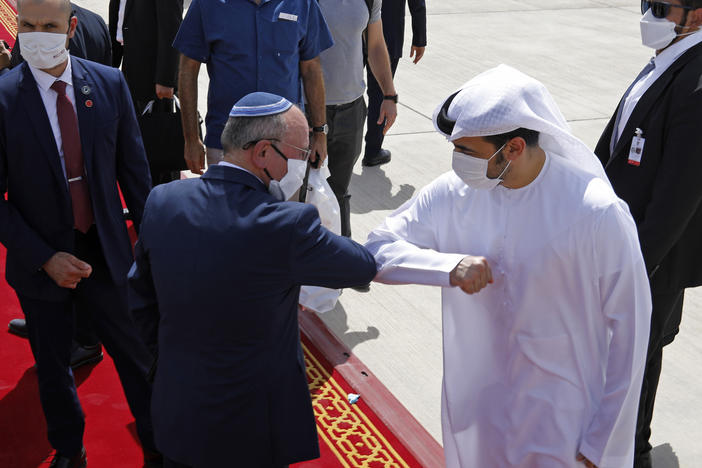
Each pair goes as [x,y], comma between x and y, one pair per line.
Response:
[8,20]
[352,433]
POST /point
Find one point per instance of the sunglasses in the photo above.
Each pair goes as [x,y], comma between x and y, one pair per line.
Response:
[660,9]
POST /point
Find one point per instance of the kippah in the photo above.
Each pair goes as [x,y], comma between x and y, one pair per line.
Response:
[259,104]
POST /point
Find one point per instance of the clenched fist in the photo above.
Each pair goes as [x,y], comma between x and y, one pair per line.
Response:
[471,275]
[67,270]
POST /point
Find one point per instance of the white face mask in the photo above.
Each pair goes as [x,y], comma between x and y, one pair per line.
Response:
[656,33]
[43,50]
[473,171]
[291,182]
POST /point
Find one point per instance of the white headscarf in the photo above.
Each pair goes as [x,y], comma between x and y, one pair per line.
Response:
[504,99]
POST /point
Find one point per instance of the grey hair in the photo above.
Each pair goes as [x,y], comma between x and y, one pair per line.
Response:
[241,130]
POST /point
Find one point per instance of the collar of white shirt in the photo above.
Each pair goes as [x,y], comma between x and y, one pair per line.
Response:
[44,80]
[672,53]
[225,163]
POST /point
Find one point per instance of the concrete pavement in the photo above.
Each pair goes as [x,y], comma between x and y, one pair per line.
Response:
[586,53]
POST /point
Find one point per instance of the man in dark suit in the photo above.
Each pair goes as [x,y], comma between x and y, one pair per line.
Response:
[68,135]
[652,153]
[91,41]
[393,17]
[241,395]
[142,33]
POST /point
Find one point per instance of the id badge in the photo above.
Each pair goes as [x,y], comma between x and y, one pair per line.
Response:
[637,147]
[287,16]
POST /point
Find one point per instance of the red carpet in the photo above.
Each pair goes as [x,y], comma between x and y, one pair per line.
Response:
[8,21]
[109,435]
[349,435]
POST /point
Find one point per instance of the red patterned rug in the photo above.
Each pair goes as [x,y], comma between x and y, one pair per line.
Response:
[8,21]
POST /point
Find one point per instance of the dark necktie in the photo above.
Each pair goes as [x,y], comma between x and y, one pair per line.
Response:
[646,70]
[73,159]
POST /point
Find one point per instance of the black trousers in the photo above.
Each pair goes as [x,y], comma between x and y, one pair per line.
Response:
[666,306]
[51,326]
[85,333]
[344,143]
[374,132]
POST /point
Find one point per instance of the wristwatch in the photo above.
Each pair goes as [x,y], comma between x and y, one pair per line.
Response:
[323,129]
[391,97]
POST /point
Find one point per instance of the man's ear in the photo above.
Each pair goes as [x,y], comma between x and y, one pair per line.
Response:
[72,23]
[259,153]
[515,148]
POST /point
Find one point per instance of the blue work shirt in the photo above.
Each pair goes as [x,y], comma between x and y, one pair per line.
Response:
[249,47]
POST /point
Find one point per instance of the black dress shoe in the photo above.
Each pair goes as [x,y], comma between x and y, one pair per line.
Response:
[362,287]
[643,460]
[152,459]
[382,157]
[77,461]
[83,355]
[18,327]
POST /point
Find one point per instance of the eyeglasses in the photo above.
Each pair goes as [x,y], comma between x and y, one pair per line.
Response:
[660,9]
[304,152]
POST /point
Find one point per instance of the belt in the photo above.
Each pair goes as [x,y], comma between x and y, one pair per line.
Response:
[343,106]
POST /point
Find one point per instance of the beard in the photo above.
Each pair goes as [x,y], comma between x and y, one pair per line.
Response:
[500,165]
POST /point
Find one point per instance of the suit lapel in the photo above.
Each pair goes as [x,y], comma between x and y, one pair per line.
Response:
[84,91]
[649,98]
[128,7]
[40,121]
[642,109]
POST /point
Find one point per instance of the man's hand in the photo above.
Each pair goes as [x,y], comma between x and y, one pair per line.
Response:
[417,53]
[4,55]
[194,154]
[471,275]
[164,92]
[388,114]
[66,270]
[194,150]
[319,148]
[588,463]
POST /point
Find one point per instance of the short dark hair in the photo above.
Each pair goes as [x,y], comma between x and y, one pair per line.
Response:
[692,3]
[65,5]
[531,137]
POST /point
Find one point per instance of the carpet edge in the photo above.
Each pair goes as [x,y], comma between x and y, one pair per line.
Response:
[425,449]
